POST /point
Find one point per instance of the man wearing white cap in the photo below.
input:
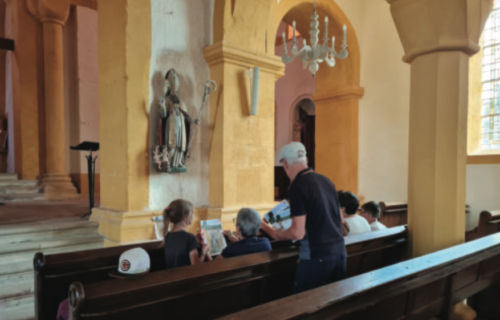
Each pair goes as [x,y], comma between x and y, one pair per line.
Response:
[316,221]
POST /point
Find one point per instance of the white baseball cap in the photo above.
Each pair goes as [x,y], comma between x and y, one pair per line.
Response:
[132,262]
[292,151]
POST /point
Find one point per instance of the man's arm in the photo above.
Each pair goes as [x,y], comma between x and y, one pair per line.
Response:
[296,232]
[345,226]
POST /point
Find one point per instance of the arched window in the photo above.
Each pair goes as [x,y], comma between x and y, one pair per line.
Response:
[483,137]
[490,111]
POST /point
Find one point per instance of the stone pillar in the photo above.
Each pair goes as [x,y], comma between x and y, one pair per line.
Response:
[57,183]
[438,37]
[241,145]
[337,141]
[438,45]
[124,31]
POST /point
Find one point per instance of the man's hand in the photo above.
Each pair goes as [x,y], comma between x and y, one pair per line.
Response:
[231,236]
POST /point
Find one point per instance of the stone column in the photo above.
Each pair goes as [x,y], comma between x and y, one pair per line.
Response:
[438,37]
[241,145]
[337,140]
[56,182]
[124,30]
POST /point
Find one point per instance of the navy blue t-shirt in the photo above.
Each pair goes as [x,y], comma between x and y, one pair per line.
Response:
[315,196]
[246,246]
[177,247]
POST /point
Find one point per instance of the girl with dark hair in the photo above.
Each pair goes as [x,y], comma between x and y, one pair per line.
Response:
[181,247]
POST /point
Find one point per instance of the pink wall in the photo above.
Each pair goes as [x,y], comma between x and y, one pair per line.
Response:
[297,84]
[82,87]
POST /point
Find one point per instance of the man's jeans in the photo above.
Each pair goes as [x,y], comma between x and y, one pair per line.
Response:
[319,272]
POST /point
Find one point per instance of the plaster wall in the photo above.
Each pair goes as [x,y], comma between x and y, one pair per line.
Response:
[180,32]
[297,84]
[384,110]
[88,84]
[81,91]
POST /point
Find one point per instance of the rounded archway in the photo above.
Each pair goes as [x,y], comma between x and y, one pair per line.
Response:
[244,36]
[337,92]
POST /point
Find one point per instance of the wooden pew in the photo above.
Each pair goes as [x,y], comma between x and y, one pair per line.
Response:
[393,214]
[396,214]
[421,288]
[217,288]
[489,223]
[55,273]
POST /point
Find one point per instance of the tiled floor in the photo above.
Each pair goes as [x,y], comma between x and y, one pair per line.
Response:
[43,210]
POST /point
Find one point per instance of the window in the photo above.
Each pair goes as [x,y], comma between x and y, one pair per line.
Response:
[490,110]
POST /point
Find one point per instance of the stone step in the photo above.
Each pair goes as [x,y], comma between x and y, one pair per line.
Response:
[22,197]
[18,284]
[86,231]
[20,190]
[20,262]
[19,183]
[55,225]
[8,176]
[18,308]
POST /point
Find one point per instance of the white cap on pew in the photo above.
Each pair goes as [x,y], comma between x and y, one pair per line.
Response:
[132,262]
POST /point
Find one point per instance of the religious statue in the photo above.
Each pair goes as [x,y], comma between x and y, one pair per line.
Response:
[174,127]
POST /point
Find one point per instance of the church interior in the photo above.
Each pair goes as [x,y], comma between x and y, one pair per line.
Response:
[110,110]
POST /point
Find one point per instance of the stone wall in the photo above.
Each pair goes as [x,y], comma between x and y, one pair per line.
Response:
[181,31]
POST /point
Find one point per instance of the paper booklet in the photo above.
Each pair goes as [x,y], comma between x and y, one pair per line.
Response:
[279,216]
[212,231]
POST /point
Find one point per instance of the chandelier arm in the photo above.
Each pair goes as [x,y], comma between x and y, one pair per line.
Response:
[330,61]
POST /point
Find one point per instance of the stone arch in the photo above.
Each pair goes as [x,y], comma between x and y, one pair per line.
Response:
[244,36]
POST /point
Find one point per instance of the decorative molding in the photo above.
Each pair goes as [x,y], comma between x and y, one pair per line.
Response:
[33,7]
[343,93]
[466,46]
[222,53]
[91,4]
[483,159]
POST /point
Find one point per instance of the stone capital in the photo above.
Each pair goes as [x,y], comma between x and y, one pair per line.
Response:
[223,53]
[56,11]
[427,26]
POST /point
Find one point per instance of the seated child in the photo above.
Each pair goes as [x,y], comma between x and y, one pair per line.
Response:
[181,247]
[349,204]
[371,212]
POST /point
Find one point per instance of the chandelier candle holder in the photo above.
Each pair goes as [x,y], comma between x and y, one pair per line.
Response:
[314,54]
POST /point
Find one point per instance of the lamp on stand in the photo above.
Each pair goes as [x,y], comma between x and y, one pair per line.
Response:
[92,147]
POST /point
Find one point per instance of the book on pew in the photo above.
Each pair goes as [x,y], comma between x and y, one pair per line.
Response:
[279,217]
[213,236]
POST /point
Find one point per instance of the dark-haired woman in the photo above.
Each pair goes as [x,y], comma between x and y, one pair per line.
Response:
[181,247]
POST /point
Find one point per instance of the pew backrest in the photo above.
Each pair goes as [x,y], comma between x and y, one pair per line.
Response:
[421,288]
[393,214]
[54,273]
[222,287]
[489,223]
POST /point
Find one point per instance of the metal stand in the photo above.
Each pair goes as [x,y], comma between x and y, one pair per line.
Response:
[89,146]
[91,173]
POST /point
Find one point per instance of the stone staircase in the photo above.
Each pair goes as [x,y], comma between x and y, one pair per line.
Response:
[13,189]
[18,245]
